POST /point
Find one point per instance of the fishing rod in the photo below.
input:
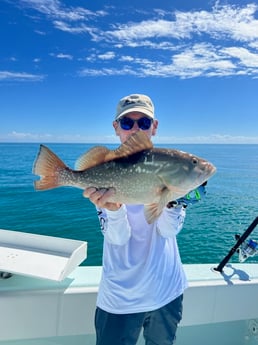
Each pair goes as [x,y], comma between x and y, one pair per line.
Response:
[245,249]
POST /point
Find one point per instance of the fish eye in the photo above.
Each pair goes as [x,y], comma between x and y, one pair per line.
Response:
[194,161]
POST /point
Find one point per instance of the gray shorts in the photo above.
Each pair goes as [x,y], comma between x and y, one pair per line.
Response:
[159,326]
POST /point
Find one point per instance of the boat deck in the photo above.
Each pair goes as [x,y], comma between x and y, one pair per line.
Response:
[219,309]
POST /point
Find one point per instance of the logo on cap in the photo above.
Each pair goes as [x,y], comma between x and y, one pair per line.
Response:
[136,102]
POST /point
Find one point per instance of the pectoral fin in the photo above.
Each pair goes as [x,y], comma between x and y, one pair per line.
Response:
[153,211]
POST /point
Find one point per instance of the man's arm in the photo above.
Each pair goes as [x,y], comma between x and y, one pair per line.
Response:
[112,216]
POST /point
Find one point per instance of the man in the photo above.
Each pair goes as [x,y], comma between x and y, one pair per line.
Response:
[143,280]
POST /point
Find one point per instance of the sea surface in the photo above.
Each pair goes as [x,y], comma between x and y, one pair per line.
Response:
[229,207]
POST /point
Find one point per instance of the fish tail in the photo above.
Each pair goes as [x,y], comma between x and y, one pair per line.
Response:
[48,166]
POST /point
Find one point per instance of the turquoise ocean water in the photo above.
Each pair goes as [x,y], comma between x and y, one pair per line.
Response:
[230,206]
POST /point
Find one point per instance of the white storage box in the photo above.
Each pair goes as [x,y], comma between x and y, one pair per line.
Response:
[39,256]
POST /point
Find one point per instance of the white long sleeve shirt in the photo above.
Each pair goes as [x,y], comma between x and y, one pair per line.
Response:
[142,269]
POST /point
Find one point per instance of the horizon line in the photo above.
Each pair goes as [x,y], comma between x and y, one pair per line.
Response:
[118,142]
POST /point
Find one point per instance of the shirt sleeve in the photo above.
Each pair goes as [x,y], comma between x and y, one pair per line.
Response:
[171,221]
[114,225]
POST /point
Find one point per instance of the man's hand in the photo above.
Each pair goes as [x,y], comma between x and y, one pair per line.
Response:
[100,197]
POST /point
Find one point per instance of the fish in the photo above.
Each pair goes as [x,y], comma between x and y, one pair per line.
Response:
[138,172]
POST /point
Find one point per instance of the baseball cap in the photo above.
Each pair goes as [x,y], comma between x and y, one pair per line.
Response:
[135,102]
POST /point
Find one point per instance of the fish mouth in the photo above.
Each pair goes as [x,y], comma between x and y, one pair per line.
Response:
[210,170]
[213,169]
[207,171]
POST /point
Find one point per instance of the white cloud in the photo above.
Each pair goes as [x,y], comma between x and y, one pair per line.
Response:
[41,33]
[254,44]
[16,136]
[78,29]
[202,59]
[179,36]
[232,22]
[188,64]
[209,139]
[219,42]
[247,58]
[88,72]
[149,29]
[56,9]
[126,58]
[20,76]
[64,56]
[227,21]
[25,136]
[107,56]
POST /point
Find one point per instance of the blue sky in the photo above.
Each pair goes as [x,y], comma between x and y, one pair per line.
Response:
[65,64]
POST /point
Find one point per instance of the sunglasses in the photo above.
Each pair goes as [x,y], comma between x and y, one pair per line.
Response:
[143,123]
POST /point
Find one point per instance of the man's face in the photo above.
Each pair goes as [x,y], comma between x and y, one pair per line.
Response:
[124,134]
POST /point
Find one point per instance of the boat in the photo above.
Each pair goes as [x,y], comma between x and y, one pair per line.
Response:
[55,306]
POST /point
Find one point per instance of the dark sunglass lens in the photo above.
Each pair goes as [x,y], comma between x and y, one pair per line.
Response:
[126,123]
[144,123]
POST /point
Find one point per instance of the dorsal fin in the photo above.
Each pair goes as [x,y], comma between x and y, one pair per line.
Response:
[93,157]
[137,142]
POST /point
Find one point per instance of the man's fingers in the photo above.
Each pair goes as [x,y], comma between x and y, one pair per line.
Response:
[98,196]
[88,191]
[102,196]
